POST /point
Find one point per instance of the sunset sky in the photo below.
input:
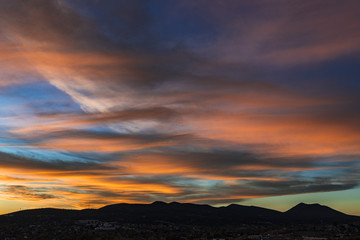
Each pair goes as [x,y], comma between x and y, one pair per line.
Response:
[254,102]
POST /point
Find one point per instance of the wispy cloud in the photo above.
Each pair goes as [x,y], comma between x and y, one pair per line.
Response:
[19,191]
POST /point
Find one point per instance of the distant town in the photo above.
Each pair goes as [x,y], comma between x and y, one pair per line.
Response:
[95,229]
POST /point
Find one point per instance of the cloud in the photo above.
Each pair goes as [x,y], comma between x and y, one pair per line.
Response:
[19,162]
[180,175]
[53,22]
[76,60]
[47,123]
[89,141]
[271,32]
[9,178]
[19,191]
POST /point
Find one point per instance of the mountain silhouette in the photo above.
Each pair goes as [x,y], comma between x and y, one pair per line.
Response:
[317,213]
[184,213]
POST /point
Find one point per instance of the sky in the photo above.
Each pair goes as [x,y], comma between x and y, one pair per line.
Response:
[212,102]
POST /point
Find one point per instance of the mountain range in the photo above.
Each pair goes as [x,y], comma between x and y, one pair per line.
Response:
[184,213]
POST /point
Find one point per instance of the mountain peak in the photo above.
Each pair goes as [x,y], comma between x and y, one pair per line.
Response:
[310,207]
[315,213]
[159,203]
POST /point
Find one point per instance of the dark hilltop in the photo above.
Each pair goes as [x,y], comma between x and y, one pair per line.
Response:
[180,221]
[186,213]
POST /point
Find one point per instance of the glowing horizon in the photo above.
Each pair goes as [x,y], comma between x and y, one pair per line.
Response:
[247,102]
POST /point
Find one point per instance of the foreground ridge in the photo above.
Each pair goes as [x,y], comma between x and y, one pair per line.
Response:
[187,213]
[185,221]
